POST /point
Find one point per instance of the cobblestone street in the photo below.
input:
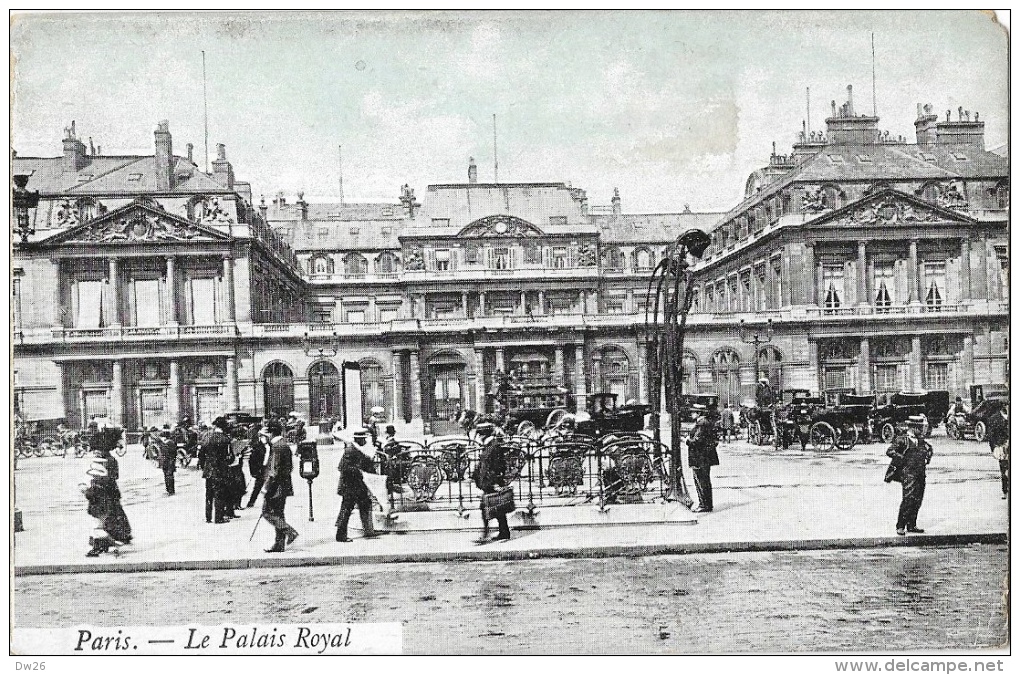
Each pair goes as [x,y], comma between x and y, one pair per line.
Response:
[895,599]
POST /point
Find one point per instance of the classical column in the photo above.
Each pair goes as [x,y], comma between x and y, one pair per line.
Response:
[631,309]
[481,303]
[596,373]
[862,273]
[228,279]
[915,363]
[809,276]
[479,380]
[593,302]
[559,372]
[813,366]
[770,285]
[864,367]
[642,366]
[913,287]
[524,302]
[979,278]
[581,302]
[967,362]
[398,386]
[580,379]
[232,393]
[173,396]
[415,385]
[786,289]
[464,303]
[59,310]
[965,269]
[117,394]
[500,362]
[114,306]
[541,302]
[171,290]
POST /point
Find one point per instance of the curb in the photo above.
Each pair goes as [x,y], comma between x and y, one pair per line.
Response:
[493,554]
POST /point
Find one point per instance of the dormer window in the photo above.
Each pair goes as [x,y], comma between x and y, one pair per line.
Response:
[928,157]
[440,222]
[387,211]
[132,177]
[558,220]
[959,157]
[387,230]
[85,178]
[864,159]
[836,159]
[355,230]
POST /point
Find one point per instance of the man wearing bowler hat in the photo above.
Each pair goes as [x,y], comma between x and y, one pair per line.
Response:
[911,454]
[353,492]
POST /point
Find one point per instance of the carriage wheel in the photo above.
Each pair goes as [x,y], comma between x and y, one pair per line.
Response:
[953,431]
[754,433]
[54,447]
[822,436]
[888,432]
[980,430]
[39,449]
[847,438]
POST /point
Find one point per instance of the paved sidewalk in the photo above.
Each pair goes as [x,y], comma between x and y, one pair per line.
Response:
[764,501]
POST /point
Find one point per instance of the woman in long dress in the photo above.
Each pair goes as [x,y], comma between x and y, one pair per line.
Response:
[111,524]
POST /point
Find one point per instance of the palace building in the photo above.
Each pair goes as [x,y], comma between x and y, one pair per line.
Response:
[152,290]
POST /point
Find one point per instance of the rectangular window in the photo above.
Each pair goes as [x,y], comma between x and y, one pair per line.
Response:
[1004,276]
[934,284]
[532,254]
[208,403]
[16,302]
[387,314]
[355,316]
[146,302]
[558,220]
[501,258]
[322,315]
[442,260]
[559,257]
[471,253]
[884,284]
[832,286]
[835,378]
[745,283]
[323,232]
[885,378]
[777,283]
[203,301]
[440,222]
[936,376]
[90,304]
[614,306]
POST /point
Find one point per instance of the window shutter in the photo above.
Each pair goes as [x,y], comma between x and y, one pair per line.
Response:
[490,258]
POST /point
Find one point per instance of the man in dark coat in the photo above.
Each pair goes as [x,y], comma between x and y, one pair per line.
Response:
[490,475]
[998,440]
[279,486]
[352,488]
[256,462]
[702,456]
[166,457]
[911,454]
[214,458]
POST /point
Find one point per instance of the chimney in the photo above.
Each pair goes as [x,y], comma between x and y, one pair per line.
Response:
[963,132]
[92,148]
[74,151]
[223,172]
[99,150]
[925,125]
[845,127]
[264,210]
[302,206]
[617,210]
[472,171]
[191,152]
[164,157]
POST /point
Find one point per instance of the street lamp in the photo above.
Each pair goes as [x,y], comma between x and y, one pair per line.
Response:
[24,200]
[755,338]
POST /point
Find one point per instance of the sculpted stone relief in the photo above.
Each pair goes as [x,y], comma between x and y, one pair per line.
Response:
[139,226]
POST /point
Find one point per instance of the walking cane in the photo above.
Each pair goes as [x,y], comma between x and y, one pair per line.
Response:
[257,521]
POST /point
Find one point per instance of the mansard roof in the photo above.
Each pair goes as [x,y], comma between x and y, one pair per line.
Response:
[111,174]
[141,221]
[632,228]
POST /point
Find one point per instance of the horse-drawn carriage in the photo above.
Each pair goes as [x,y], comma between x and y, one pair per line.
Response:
[893,410]
[986,400]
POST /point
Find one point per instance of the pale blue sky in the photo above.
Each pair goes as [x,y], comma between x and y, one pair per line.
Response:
[670,107]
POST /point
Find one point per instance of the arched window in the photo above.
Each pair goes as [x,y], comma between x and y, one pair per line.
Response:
[373,388]
[642,259]
[324,392]
[278,382]
[1001,194]
[613,259]
[833,196]
[355,265]
[386,263]
[726,376]
[322,264]
[770,360]
[929,192]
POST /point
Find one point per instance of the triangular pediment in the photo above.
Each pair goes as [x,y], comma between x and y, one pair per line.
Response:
[890,208]
[139,222]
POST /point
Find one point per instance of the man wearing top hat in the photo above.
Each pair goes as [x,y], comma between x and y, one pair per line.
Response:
[353,492]
[279,486]
[214,458]
[702,456]
[911,454]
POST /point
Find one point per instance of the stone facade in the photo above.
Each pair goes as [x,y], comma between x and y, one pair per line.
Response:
[152,290]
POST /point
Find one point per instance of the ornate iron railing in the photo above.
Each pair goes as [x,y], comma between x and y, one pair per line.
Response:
[557,471]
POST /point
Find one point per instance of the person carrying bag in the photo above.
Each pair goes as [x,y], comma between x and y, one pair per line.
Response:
[497,500]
